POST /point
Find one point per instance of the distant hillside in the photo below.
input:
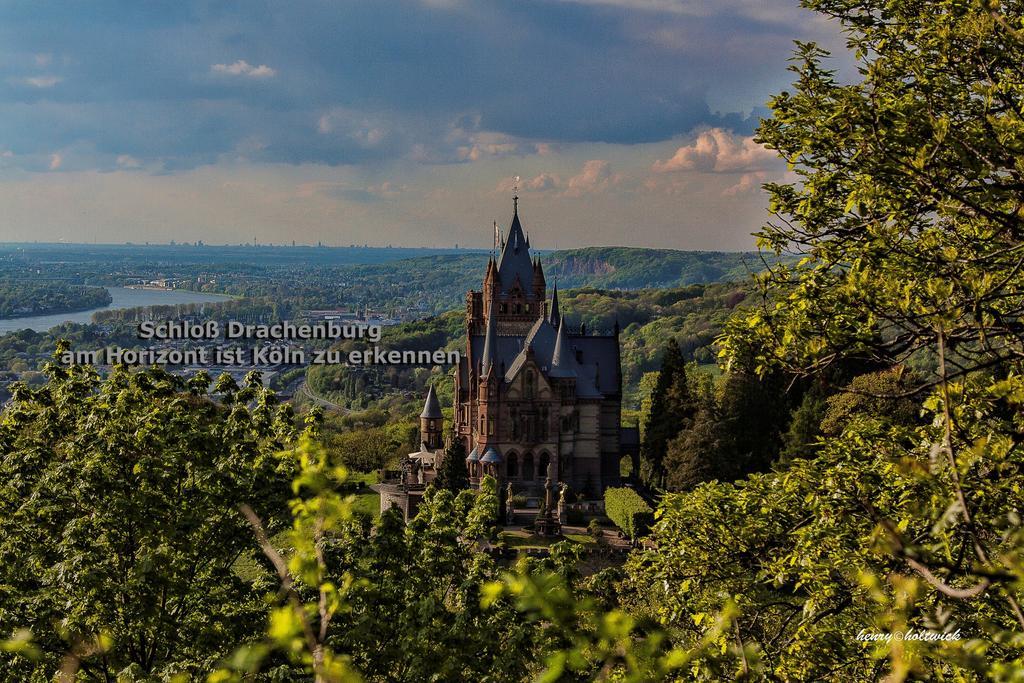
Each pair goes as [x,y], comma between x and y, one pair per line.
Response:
[633,268]
[693,315]
[447,278]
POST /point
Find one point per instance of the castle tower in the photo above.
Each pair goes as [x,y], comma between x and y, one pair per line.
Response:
[534,396]
[431,422]
[514,289]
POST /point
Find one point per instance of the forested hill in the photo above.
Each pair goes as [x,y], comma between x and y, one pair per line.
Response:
[604,267]
[634,268]
[442,281]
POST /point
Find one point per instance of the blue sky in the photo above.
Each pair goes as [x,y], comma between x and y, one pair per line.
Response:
[383,121]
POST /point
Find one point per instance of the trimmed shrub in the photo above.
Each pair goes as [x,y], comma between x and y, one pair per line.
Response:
[628,511]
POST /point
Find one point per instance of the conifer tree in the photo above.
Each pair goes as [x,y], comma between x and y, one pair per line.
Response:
[672,408]
[452,474]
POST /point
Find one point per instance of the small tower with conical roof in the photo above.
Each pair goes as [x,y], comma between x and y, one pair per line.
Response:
[431,422]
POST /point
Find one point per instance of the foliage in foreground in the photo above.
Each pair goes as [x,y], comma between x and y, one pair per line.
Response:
[117,526]
[862,537]
[422,603]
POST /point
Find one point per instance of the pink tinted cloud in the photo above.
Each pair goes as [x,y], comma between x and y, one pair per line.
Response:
[748,182]
[595,176]
[718,151]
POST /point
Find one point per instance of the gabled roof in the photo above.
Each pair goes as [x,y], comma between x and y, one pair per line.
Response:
[597,374]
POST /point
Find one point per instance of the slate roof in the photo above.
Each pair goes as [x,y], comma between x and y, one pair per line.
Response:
[515,260]
[595,372]
[554,316]
[431,407]
[563,363]
[490,350]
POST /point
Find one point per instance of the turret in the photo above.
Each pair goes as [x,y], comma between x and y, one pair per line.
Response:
[431,422]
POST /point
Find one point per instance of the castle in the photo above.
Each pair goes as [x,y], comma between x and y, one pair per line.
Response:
[532,398]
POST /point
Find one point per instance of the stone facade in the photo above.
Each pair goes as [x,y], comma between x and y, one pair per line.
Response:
[529,392]
[533,400]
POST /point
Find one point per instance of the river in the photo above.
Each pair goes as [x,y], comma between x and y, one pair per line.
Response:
[123,297]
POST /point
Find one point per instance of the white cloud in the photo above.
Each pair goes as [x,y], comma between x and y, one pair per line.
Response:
[55,161]
[542,183]
[476,145]
[128,161]
[718,151]
[595,176]
[748,183]
[479,151]
[243,68]
[42,81]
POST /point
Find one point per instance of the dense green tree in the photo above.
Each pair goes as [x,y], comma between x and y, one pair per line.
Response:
[119,524]
[755,411]
[393,602]
[671,409]
[907,220]
[702,452]
[804,432]
[367,449]
[23,297]
[452,475]
[884,395]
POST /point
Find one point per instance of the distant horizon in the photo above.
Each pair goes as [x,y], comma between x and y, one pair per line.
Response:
[395,122]
[297,245]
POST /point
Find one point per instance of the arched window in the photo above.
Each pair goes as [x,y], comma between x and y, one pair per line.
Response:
[528,466]
[511,465]
[542,466]
[529,384]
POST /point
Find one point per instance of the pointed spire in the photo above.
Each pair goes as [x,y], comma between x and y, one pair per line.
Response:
[431,408]
[561,359]
[490,343]
[514,258]
[554,316]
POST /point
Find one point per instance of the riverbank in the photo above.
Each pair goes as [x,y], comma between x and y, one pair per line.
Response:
[121,298]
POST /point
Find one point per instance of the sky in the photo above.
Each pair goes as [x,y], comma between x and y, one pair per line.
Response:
[404,122]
